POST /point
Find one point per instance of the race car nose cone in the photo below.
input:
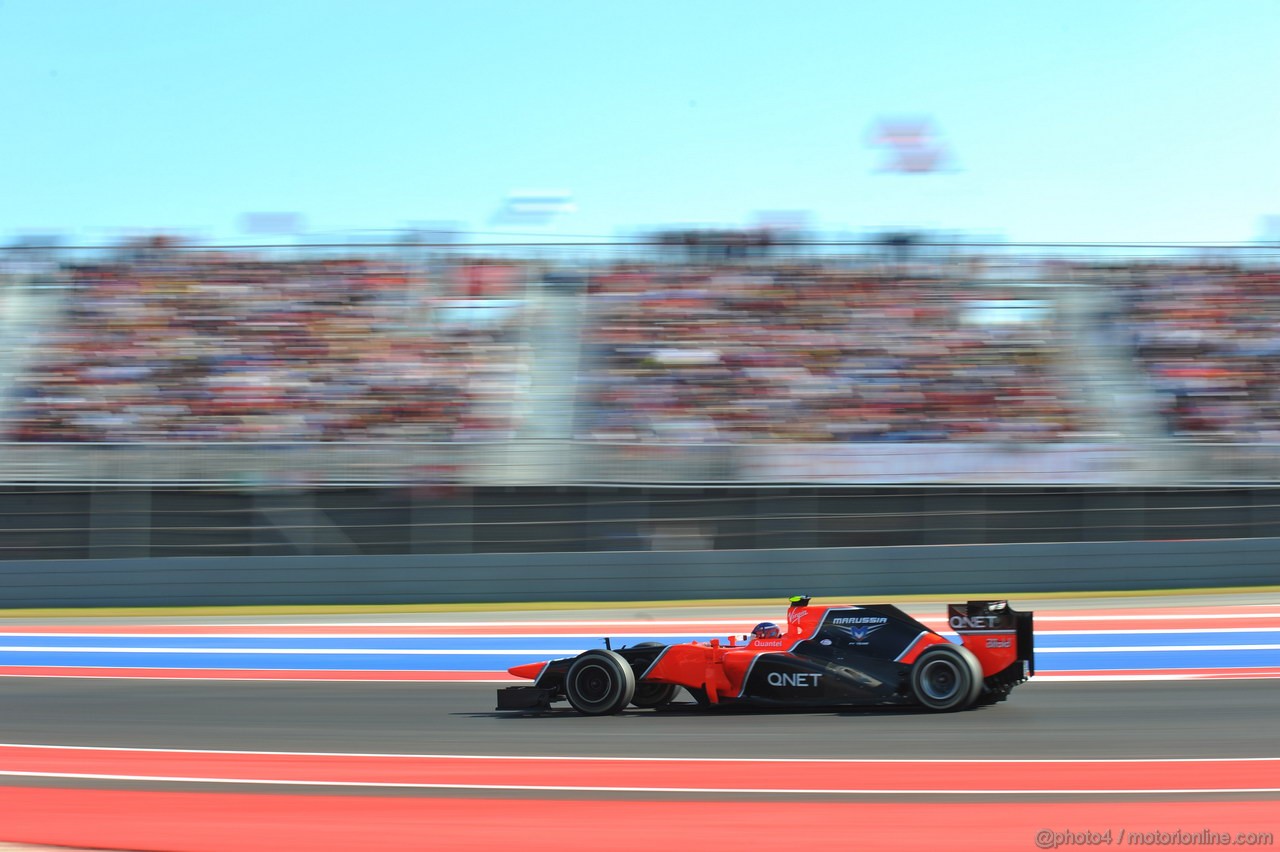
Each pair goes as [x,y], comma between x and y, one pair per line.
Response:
[528,670]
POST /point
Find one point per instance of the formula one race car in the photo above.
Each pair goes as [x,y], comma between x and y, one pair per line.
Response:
[828,655]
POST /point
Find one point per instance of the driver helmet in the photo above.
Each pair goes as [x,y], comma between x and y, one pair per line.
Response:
[766,630]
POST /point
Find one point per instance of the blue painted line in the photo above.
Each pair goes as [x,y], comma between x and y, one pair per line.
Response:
[1157,660]
[1155,640]
[500,662]
[269,652]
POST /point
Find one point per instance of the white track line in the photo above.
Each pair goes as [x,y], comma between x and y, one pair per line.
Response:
[851,761]
[581,788]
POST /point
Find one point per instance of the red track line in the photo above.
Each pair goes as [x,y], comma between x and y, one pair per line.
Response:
[858,776]
[1046,622]
[215,822]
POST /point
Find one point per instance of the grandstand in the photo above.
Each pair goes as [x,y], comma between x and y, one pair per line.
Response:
[212,348]
[224,346]
[176,401]
[177,344]
[1207,340]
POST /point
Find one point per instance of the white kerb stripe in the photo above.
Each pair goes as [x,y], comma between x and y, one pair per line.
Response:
[851,761]
[788,792]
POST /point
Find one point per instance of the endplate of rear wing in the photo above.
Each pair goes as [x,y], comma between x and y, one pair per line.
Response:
[991,616]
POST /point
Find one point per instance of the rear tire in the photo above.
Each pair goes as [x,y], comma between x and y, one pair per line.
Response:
[947,677]
[599,683]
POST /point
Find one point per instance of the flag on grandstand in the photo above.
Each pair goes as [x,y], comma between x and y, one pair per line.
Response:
[535,207]
[911,146]
[272,223]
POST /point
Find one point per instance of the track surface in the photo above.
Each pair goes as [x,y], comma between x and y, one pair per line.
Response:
[1226,719]
[386,765]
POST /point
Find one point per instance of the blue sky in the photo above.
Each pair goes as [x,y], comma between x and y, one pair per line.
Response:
[1106,121]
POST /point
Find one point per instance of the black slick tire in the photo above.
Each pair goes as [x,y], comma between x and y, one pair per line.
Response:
[946,677]
[599,683]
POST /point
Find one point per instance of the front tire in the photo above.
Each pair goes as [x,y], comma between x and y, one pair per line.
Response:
[599,683]
[947,677]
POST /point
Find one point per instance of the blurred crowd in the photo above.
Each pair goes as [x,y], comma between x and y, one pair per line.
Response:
[192,346]
[219,346]
[815,353]
[1208,338]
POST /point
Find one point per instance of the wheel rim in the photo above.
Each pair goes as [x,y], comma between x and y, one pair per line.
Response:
[593,684]
[940,680]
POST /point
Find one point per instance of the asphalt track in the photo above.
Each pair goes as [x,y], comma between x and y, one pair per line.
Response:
[1195,719]
[195,765]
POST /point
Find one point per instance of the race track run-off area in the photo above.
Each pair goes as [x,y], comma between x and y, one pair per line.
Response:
[1145,726]
[1225,642]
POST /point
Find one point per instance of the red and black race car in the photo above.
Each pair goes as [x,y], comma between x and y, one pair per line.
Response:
[842,654]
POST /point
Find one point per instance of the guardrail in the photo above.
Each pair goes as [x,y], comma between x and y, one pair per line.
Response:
[1025,569]
[517,463]
[325,464]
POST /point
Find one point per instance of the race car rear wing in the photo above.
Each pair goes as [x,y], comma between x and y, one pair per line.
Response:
[998,635]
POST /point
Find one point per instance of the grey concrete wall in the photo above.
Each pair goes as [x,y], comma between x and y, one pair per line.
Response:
[831,572]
